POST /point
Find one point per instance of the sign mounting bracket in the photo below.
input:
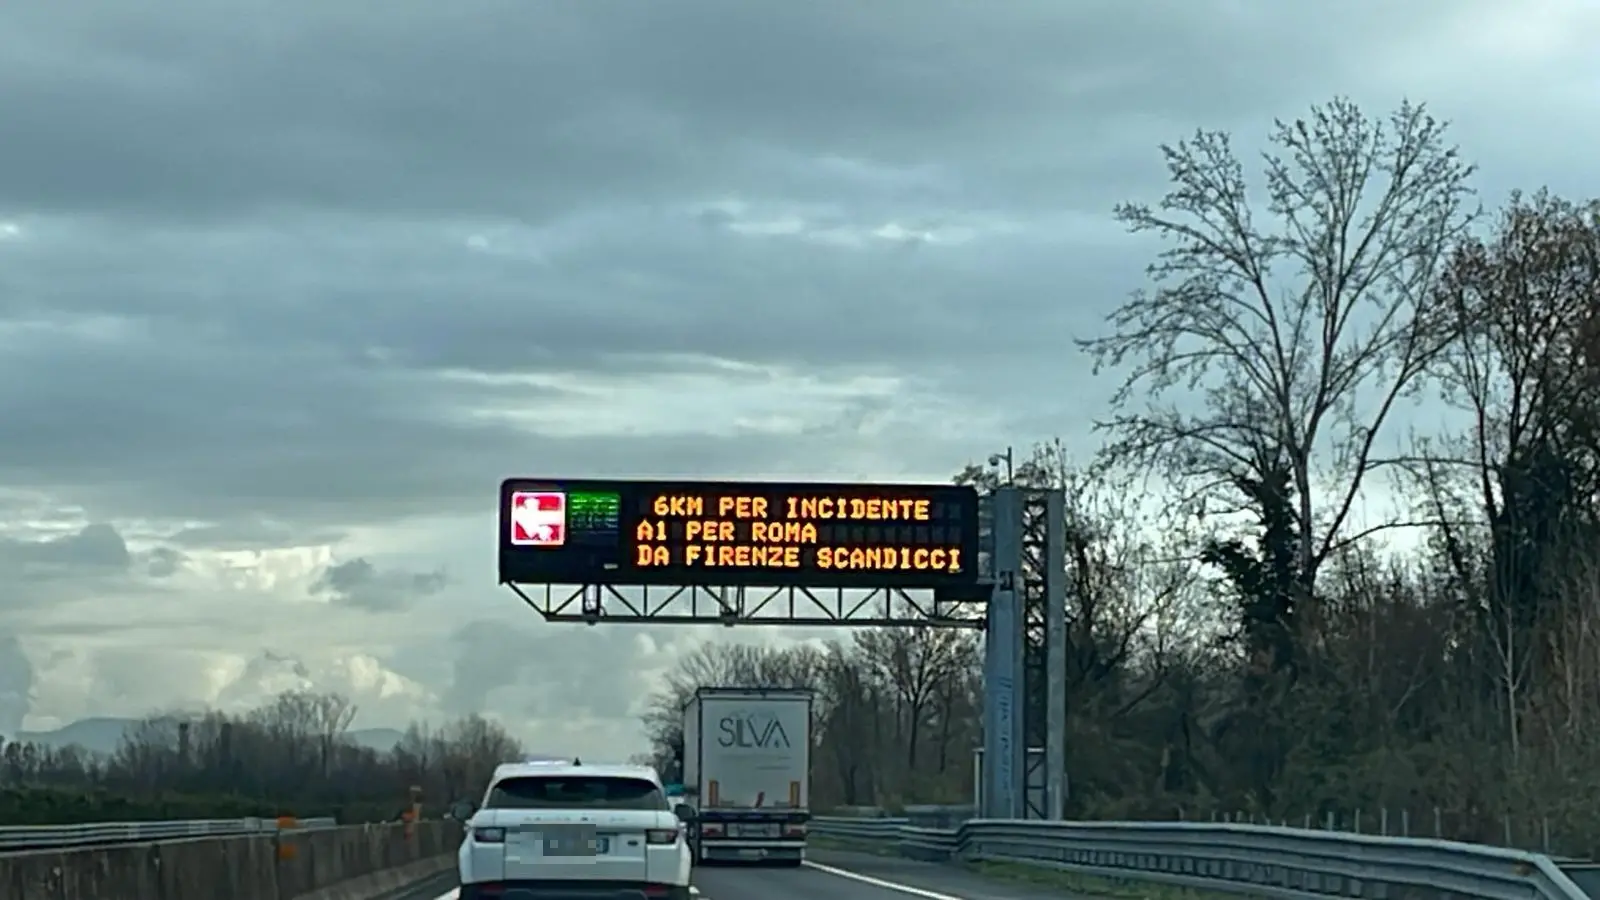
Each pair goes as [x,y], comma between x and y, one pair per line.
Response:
[592,604]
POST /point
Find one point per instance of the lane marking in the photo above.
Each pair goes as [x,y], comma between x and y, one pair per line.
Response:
[456,894]
[879,882]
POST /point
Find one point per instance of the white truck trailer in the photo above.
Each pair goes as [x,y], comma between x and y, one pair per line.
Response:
[747,773]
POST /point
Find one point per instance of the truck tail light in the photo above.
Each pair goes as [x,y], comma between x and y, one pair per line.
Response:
[711,793]
[794,830]
[711,829]
[489,835]
[794,794]
[661,836]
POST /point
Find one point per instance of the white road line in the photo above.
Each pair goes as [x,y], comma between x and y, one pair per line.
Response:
[455,894]
[879,882]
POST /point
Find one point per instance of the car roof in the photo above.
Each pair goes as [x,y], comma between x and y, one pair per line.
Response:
[558,769]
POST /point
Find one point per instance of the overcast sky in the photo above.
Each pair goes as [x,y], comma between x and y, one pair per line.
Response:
[287,287]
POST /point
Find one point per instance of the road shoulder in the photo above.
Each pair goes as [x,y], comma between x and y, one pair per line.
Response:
[931,879]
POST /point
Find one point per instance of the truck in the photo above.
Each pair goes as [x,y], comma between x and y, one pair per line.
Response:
[747,773]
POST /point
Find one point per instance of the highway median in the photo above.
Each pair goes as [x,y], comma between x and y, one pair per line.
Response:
[358,862]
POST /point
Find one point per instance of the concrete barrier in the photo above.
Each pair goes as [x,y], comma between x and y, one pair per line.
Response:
[351,863]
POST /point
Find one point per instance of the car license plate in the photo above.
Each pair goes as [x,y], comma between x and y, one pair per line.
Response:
[752,831]
[574,842]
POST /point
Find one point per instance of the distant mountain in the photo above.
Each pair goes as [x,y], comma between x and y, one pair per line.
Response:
[377,738]
[103,734]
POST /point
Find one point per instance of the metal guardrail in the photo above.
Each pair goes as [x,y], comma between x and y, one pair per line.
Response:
[1260,860]
[45,837]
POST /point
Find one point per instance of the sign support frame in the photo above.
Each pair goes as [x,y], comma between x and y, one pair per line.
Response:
[729,605]
[1018,598]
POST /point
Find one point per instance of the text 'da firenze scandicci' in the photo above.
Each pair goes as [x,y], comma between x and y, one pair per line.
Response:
[855,533]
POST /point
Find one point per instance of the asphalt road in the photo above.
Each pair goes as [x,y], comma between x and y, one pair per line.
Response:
[827,875]
[443,884]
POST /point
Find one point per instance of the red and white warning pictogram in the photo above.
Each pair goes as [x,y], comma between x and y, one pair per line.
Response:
[538,518]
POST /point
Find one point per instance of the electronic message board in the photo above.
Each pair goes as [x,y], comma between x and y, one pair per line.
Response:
[567,531]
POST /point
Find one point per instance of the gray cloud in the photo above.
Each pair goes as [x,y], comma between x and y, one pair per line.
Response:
[307,439]
[17,678]
[95,549]
[163,562]
[359,584]
[249,533]
[486,656]
[595,672]
[287,298]
[566,105]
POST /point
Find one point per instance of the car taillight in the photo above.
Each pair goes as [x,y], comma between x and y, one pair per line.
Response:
[489,835]
[661,836]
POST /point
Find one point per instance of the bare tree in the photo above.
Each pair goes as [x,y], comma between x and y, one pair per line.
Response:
[237,767]
[333,714]
[1574,688]
[1525,299]
[846,732]
[1285,330]
[474,745]
[914,663]
[148,748]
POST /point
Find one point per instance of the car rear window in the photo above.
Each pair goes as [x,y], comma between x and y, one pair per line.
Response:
[575,791]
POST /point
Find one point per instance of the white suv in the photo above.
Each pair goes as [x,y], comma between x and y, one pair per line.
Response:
[546,828]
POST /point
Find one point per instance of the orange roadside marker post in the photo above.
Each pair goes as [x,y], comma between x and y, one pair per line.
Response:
[286,848]
[413,814]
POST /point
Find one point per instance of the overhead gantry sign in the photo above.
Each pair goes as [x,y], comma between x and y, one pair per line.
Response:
[706,537]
